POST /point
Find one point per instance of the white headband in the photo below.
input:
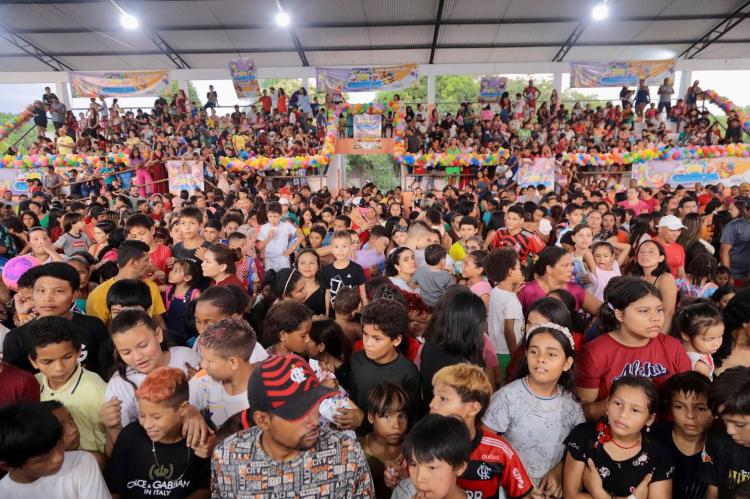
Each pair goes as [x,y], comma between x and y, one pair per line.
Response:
[556,327]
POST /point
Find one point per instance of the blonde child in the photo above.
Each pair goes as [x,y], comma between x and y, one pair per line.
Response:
[700,327]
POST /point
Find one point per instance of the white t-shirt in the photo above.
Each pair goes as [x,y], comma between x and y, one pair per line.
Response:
[78,477]
[125,393]
[280,241]
[504,305]
[210,397]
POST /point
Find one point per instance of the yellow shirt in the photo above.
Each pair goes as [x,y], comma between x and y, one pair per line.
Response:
[83,396]
[65,144]
[457,251]
[96,304]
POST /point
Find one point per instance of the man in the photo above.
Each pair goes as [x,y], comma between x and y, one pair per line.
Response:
[670,228]
[287,453]
[57,110]
[64,142]
[48,96]
[744,193]
[212,98]
[665,92]
[53,181]
[734,251]
[687,205]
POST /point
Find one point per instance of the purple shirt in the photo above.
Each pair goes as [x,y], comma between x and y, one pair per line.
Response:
[532,292]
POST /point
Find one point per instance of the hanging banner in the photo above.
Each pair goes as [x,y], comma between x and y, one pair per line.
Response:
[244,78]
[491,88]
[118,84]
[367,131]
[728,171]
[370,79]
[185,176]
[618,74]
[537,171]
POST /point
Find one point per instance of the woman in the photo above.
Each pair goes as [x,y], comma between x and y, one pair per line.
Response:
[633,202]
[101,235]
[30,219]
[554,270]
[142,177]
[690,238]
[281,102]
[735,349]
[308,264]
[219,265]
[305,224]
[401,267]
[157,169]
[651,266]
[642,98]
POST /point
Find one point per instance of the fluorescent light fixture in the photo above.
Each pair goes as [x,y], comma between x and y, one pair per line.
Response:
[129,21]
[282,19]
[599,12]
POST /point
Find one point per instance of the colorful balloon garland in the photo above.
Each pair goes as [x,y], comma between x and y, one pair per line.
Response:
[727,105]
[16,121]
[24,161]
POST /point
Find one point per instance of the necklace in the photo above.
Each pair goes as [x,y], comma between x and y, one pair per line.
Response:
[625,447]
[163,471]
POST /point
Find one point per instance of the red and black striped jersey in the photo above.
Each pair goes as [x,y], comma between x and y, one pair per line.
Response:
[525,243]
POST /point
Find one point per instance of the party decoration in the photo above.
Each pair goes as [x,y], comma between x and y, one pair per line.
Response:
[727,106]
[15,268]
[725,170]
[23,161]
[118,84]
[622,73]
[367,79]
[244,78]
[15,122]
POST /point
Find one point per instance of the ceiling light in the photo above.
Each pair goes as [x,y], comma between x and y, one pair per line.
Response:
[282,19]
[599,12]
[129,21]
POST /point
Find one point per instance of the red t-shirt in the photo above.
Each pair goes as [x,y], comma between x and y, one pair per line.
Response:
[265,103]
[160,256]
[494,466]
[675,255]
[604,360]
[232,280]
[525,243]
[16,385]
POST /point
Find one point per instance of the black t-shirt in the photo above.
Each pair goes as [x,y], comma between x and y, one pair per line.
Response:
[132,471]
[432,359]
[334,279]
[726,464]
[618,477]
[317,302]
[91,330]
[686,481]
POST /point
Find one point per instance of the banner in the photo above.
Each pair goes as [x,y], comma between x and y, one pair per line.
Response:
[537,171]
[370,79]
[618,74]
[185,175]
[491,88]
[728,171]
[118,84]
[243,75]
[367,131]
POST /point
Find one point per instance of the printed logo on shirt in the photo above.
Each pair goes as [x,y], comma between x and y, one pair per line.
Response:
[645,369]
[484,472]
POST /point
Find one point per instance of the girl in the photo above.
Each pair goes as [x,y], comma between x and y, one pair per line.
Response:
[651,266]
[82,264]
[401,267]
[308,265]
[633,316]
[328,345]
[387,412]
[615,457]
[701,329]
[603,266]
[723,295]
[582,238]
[288,284]
[537,411]
[219,264]
[472,269]
[287,328]
[179,293]
[41,246]
[700,274]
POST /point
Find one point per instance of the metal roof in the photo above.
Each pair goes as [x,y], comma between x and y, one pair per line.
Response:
[86,34]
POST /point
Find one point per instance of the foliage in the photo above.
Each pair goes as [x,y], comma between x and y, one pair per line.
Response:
[418,94]
[13,137]
[379,169]
[174,87]
[290,85]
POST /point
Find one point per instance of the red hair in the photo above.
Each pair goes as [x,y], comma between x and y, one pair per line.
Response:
[164,385]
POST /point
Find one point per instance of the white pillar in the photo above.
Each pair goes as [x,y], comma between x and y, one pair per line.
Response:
[61,90]
[686,79]
[335,178]
[183,85]
[430,91]
[557,82]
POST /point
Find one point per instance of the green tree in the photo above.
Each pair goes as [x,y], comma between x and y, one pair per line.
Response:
[380,169]
[410,95]
[24,144]
[290,85]
[174,87]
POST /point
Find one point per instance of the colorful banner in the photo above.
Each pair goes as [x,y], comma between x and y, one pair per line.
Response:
[244,78]
[617,74]
[185,175]
[537,171]
[118,84]
[370,79]
[491,88]
[728,171]
[367,131]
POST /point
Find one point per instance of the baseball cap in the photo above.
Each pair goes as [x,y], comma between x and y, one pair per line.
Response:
[284,201]
[286,386]
[671,222]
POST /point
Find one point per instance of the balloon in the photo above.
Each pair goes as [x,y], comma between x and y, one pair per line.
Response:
[15,268]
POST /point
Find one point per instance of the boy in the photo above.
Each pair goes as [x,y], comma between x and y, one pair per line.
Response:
[346,306]
[433,279]
[32,452]
[219,389]
[150,455]
[463,390]
[505,310]
[74,239]
[55,285]
[514,236]
[54,348]
[726,456]
[212,231]
[467,228]
[686,397]
[343,272]
[140,227]
[384,323]
[273,239]
[192,245]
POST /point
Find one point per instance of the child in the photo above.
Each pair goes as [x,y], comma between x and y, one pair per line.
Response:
[686,398]
[700,327]
[505,311]
[343,272]
[245,267]
[274,238]
[615,456]
[54,348]
[721,297]
[141,228]
[74,238]
[219,389]
[384,324]
[467,228]
[722,276]
[582,237]
[189,248]
[463,390]
[82,263]
[151,455]
[537,411]
[473,271]
[435,463]
[32,452]
[602,265]
[700,276]
[344,308]
[179,293]
[328,345]
[433,279]
[514,236]
[519,107]
[212,231]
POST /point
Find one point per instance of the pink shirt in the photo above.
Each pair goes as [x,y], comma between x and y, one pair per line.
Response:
[532,292]
[638,208]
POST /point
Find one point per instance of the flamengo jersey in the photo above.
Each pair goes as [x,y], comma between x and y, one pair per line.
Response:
[495,471]
[525,243]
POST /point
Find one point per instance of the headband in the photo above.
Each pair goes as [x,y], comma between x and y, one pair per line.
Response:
[556,327]
[287,281]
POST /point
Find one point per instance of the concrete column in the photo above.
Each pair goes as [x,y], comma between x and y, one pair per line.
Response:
[61,90]
[686,79]
[335,179]
[557,82]
[183,85]
[430,92]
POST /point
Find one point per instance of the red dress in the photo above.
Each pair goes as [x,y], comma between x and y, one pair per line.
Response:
[158,172]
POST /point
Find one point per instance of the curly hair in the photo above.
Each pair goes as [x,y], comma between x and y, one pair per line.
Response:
[389,316]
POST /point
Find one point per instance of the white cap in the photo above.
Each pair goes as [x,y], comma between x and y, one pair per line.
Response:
[284,201]
[671,222]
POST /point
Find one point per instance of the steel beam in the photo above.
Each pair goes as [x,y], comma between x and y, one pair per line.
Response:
[571,41]
[34,50]
[436,32]
[166,49]
[717,31]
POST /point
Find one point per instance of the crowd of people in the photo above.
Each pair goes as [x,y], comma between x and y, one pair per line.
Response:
[482,340]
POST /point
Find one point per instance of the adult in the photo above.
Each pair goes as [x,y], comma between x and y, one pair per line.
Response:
[642,97]
[53,181]
[48,96]
[665,91]
[57,111]
[219,264]
[287,447]
[734,251]
[554,270]
[401,267]
[651,266]
[212,98]
[308,264]
[633,202]
[735,348]
[40,118]
[669,229]
[64,141]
